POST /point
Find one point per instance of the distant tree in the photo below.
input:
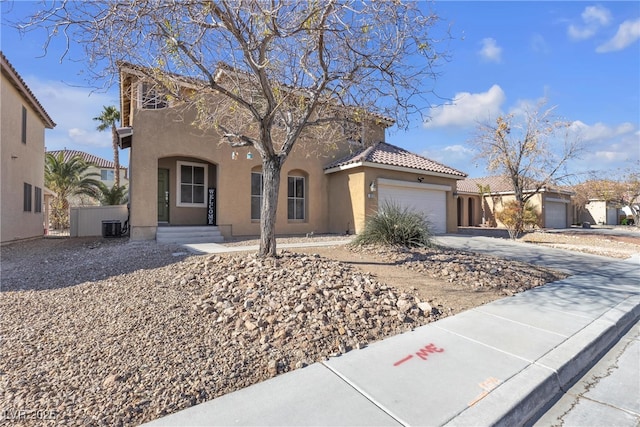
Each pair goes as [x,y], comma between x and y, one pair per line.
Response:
[521,147]
[621,186]
[66,179]
[483,190]
[631,192]
[108,119]
[278,70]
[112,196]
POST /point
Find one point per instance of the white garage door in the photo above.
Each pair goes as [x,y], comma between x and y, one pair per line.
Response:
[430,200]
[555,215]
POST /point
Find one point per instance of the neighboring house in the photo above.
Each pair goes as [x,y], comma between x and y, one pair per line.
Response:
[103,167]
[175,167]
[601,212]
[23,121]
[551,204]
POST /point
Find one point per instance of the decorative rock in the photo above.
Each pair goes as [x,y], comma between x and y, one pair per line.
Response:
[186,331]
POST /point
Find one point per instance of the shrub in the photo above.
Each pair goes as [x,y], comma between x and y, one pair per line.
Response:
[516,219]
[394,225]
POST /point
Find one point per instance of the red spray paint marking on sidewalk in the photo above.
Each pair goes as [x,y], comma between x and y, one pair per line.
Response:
[422,353]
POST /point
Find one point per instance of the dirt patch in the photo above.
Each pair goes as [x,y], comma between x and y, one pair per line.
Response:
[452,281]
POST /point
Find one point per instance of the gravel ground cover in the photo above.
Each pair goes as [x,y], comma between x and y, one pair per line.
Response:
[612,246]
[110,332]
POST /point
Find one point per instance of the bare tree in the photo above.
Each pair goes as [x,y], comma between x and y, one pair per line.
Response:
[281,68]
[531,149]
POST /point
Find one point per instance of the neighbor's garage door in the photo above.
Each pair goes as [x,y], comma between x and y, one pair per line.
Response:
[612,216]
[430,200]
[555,215]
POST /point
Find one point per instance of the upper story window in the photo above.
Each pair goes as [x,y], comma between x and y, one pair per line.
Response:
[353,132]
[107,175]
[151,98]
[24,125]
[192,180]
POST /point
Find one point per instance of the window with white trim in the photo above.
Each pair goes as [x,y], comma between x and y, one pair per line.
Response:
[192,182]
[151,98]
[256,195]
[295,197]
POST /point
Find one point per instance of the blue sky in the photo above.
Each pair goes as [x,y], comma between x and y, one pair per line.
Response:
[582,57]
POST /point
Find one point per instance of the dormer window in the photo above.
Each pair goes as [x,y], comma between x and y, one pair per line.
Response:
[353,132]
[151,98]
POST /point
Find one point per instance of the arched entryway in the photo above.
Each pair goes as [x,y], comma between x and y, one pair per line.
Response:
[185,187]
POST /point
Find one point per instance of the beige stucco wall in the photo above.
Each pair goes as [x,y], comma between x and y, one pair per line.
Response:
[20,163]
[352,201]
[161,138]
[469,216]
[347,206]
[495,203]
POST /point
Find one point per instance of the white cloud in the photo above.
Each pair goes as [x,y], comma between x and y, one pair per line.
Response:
[628,32]
[72,109]
[456,156]
[490,50]
[90,138]
[607,147]
[593,18]
[600,131]
[596,14]
[467,109]
[539,44]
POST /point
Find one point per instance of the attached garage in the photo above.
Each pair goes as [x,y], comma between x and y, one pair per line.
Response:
[555,213]
[429,199]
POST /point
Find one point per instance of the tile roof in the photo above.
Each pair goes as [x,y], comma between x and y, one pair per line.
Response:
[500,184]
[497,184]
[89,158]
[16,80]
[389,155]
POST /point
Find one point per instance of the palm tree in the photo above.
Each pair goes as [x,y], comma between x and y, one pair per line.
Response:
[66,179]
[108,119]
[112,196]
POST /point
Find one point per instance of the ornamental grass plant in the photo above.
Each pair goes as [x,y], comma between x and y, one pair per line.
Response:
[395,225]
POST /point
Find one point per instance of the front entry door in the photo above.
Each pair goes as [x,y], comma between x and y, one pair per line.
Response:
[163,195]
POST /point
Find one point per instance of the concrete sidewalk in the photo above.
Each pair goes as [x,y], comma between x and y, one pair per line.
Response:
[502,363]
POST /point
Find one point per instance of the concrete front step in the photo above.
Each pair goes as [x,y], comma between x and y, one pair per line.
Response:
[186,234]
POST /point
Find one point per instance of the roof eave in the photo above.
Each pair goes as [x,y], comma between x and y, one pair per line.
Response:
[19,83]
[391,168]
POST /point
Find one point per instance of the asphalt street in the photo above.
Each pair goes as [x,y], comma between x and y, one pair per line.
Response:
[607,395]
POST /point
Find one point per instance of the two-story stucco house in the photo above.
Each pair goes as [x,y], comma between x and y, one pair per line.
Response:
[181,175]
[23,121]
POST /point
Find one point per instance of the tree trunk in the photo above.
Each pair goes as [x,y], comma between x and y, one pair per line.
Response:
[116,155]
[271,168]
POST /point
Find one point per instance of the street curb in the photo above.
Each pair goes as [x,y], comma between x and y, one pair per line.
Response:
[523,398]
